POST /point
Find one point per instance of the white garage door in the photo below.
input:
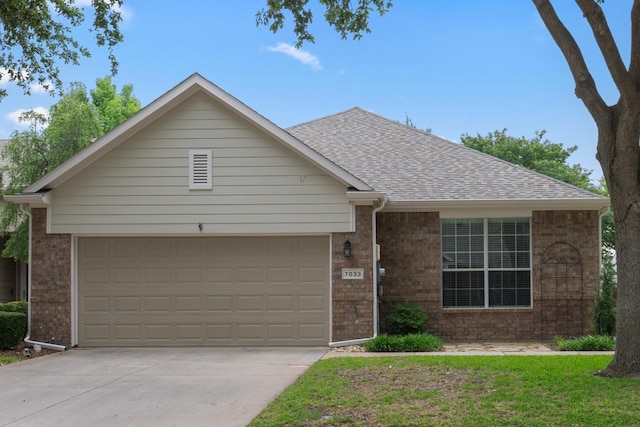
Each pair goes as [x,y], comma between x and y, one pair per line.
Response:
[203,291]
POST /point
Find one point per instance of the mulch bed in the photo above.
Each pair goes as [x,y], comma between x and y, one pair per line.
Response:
[19,352]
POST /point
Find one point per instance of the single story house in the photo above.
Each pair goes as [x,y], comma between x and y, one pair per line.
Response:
[198,222]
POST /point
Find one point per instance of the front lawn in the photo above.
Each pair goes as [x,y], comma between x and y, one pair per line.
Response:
[4,360]
[457,391]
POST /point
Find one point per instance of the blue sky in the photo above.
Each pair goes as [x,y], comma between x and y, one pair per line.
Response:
[453,66]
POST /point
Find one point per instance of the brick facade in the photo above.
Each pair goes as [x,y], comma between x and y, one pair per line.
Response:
[50,282]
[565,253]
[352,300]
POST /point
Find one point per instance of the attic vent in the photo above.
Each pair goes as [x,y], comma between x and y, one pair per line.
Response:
[200,170]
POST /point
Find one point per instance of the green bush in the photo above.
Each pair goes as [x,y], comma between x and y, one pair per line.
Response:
[13,328]
[396,343]
[407,318]
[604,308]
[586,343]
[15,307]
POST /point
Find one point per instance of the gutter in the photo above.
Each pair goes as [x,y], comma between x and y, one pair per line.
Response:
[382,202]
[28,339]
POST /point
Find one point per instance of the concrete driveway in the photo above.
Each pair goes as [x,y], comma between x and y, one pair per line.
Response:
[148,387]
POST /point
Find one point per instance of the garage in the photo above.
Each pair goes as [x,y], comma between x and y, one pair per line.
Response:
[203,291]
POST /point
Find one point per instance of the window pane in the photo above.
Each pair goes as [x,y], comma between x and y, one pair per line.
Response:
[495,227]
[495,260]
[509,289]
[522,226]
[509,243]
[523,260]
[508,260]
[462,260]
[448,244]
[477,243]
[495,243]
[448,228]
[522,243]
[508,226]
[463,289]
[477,260]
[462,243]
[449,260]
[476,227]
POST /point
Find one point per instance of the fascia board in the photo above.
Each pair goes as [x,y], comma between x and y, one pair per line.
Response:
[34,200]
[595,203]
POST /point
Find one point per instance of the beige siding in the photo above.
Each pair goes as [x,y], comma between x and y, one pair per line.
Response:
[259,185]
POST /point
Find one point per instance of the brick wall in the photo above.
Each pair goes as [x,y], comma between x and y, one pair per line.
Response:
[410,252]
[566,254]
[352,300]
[50,283]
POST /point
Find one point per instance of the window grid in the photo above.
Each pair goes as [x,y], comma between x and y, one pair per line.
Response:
[486,263]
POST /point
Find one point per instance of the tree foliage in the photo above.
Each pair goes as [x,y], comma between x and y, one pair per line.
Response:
[36,36]
[75,122]
[345,18]
[618,150]
[536,154]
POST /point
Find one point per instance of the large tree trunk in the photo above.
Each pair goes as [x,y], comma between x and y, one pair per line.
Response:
[619,156]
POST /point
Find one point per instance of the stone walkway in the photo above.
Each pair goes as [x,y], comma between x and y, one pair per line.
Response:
[476,348]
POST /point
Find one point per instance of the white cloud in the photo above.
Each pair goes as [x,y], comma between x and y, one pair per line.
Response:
[40,88]
[297,54]
[14,116]
[4,79]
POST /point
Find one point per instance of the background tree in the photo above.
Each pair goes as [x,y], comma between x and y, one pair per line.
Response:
[536,154]
[618,149]
[75,122]
[35,36]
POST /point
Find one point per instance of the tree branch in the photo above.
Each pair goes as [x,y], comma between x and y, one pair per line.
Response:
[634,63]
[600,28]
[586,88]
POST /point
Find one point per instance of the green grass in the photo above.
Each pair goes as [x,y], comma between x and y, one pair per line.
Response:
[8,359]
[457,391]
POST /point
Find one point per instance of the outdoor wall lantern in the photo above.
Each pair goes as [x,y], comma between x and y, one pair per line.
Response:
[347,249]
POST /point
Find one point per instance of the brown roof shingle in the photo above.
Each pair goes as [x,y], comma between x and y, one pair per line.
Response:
[411,165]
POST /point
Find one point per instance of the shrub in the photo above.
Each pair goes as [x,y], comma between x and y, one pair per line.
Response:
[604,308]
[586,343]
[13,328]
[407,318]
[396,343]
[15,307]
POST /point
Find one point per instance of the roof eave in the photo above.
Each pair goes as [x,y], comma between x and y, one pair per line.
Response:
[597,203]
[34,200]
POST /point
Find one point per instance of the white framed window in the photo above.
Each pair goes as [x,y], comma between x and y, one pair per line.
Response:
[486,263]
[200,170]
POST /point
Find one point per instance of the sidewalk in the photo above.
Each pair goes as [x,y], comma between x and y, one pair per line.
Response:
[476,348]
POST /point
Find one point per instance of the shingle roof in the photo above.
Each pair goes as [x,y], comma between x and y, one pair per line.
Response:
[411,165]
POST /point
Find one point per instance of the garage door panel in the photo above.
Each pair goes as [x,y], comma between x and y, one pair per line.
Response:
[219,291]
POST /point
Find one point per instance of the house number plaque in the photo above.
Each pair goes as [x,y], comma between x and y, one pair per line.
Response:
[353,273]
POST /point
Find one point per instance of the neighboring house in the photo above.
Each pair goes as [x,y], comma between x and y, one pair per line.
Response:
[199,222]
[13,275]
